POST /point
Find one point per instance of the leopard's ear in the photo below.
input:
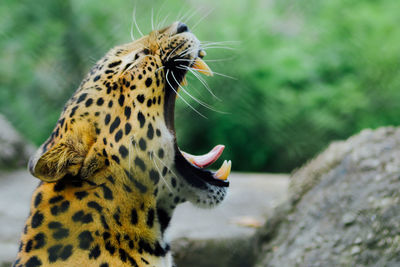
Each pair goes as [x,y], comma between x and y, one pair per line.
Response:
[58,157]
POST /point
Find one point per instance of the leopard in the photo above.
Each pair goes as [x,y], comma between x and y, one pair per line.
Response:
[111,172]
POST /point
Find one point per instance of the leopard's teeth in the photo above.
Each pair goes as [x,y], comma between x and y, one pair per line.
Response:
[184,81]
[224,171]
[202,67]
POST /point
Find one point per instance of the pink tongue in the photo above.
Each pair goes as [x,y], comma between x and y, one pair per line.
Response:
[206,159]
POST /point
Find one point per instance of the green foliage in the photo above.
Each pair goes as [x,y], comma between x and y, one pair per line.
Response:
[306,72]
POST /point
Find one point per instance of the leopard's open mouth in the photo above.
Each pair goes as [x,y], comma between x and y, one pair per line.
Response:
[192,168]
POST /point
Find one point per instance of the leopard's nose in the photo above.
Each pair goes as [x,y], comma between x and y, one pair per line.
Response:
[182,27]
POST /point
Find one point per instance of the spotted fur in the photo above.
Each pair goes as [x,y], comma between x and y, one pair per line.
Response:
[109,182]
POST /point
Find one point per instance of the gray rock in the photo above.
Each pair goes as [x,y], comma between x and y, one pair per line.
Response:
[343,208]
[14,150]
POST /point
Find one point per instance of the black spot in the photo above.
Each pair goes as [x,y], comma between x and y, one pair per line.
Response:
[53,252]
[142,188]
[33,262]
[80,216]
[54,225]
[28,246]
[73,110]
[142,144]
[150,131]
[141,119]
[89,102]
[59,186]
[114,64]
[104,265]
[95,79]
[61,233]
[37,219]
[104,222]
[40,239]
[148,82]
[154,176]
[106,235]
[95,252]
[38,199]
[100,101]
[116,218]
[140,98]
[85,239]
[128,128]
[118,135]
[121,100]
[133,87]
[110,104]
[123,151]
[63,207]
[107,193]
[55,199]
[173,182]
[158,132]
[110,248]
[127,112]
[95,205]
[150,218]
[134,216]
[127,188]
[163,218]
[122,255]
[81,194]
[140,76]
[115,158]
[164,171]
[107,119]
[115,124]
[140,163]
[161,153]
[82,97]
[145,261]
[66,252]
[149,103]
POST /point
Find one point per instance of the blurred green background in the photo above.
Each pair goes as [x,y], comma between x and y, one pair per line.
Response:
[306,72]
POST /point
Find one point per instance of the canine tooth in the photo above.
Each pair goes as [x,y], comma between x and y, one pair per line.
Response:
[202,67]
[184,81]
[224,171]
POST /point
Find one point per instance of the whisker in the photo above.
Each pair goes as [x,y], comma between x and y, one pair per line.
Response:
[220,42]
[134,18]
[205,84]
[159,172]
[165,19]
[170,54]
[218,47]
[194,98]
[198,76]
[166,77]
[152,19]
[217,73]
[186,20]
[165,165]
[206,15]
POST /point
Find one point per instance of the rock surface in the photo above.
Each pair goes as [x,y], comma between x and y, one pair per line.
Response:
[343,208]
[14,150]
